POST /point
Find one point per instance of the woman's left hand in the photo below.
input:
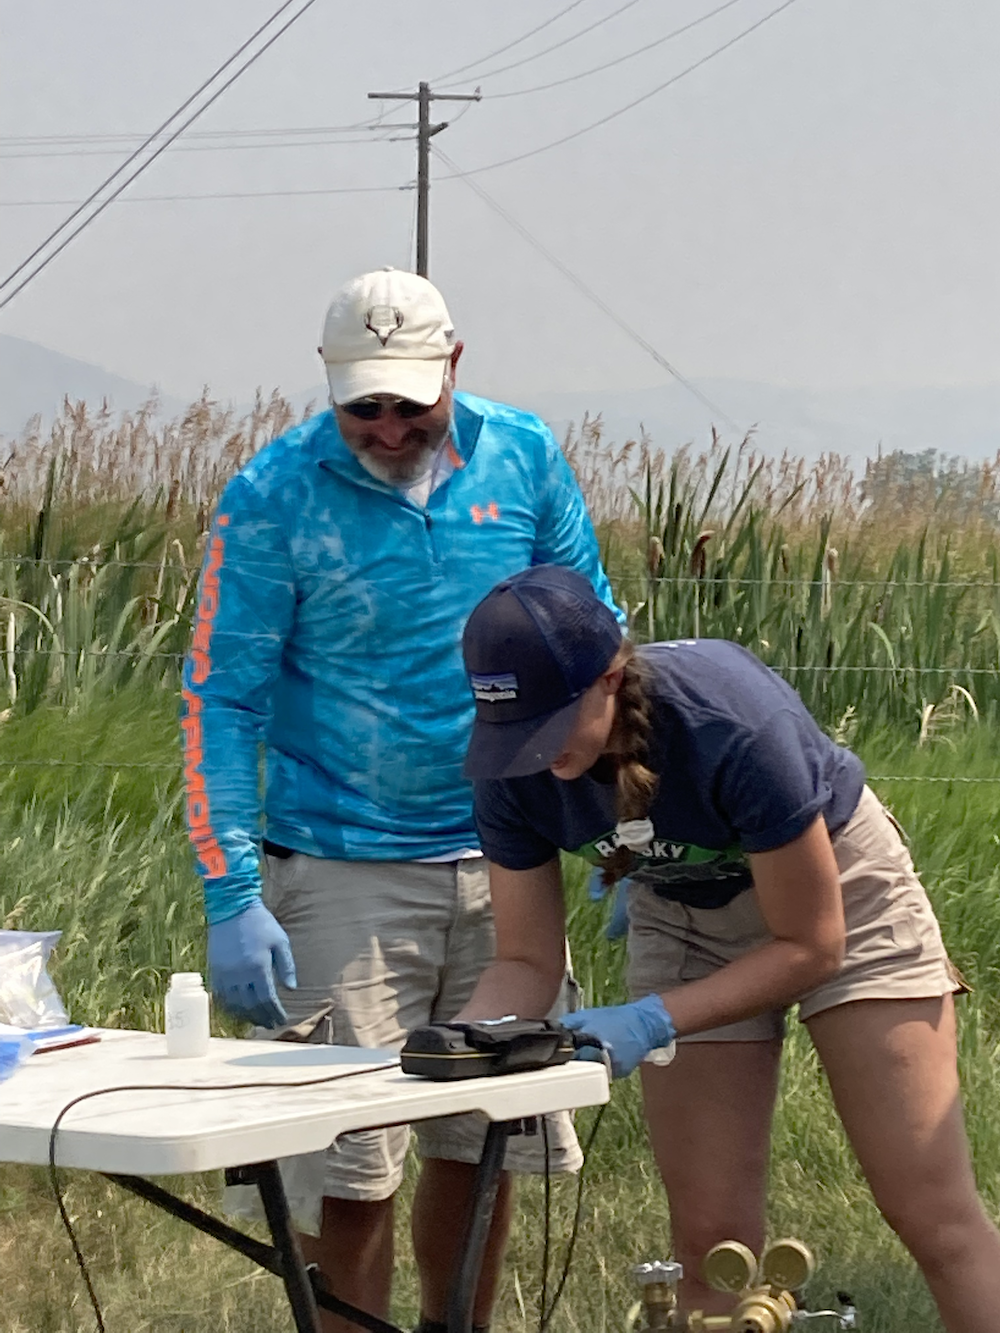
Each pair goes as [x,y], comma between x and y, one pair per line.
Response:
[597,891]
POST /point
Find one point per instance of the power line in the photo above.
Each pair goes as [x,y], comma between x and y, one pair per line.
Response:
[235,194]
[510,45]
[410,247]
[123,140]
[203,148]
[613,115]
[609,64]
[587,291]
[150,160]
[158,131]
[547,50]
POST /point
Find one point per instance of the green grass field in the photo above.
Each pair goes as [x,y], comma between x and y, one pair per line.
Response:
[102,856]
[881,602]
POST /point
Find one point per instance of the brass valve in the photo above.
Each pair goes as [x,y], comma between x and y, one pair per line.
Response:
[658,1281]
[766,1304]
[760,1312]
[764,1291]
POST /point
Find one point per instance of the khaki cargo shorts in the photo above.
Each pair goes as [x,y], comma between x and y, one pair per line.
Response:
[387,947]
[893,949]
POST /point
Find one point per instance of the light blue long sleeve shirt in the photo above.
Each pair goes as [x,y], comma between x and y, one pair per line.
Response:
[328,628]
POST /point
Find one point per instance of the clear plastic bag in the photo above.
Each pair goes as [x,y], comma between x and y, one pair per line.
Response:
[28,999]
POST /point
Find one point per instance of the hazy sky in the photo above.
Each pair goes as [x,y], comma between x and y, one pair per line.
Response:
[816,206]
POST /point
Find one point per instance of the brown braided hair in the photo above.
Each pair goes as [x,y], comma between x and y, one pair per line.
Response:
[629,746]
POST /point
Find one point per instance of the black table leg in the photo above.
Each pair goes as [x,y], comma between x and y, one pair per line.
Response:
[286,1242]
[267,1256]
[465,1278]
[286,1258]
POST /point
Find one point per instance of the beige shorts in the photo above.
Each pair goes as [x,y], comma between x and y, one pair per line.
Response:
[893,949]
[391,946]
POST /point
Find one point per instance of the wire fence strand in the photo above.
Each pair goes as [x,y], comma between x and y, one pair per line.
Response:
[79,659]
[627,583]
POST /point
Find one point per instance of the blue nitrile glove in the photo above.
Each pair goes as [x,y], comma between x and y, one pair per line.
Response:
[628,1032]
[597,890]
[617,926]
[243,955]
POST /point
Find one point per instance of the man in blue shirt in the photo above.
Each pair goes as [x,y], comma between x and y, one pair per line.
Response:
[342,564]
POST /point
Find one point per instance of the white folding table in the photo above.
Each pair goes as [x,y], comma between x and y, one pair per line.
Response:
[138,1113]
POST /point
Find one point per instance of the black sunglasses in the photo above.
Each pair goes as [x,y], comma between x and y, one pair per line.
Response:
[370,409]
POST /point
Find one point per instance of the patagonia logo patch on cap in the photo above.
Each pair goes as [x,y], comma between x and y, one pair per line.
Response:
[494,689]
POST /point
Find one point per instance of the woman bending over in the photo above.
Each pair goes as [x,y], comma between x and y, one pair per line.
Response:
[764,873]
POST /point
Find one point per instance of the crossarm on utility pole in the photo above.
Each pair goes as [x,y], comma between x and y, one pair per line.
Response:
[425,132]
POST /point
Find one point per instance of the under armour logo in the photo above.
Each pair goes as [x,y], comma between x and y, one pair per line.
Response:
[383,321]
[491,511]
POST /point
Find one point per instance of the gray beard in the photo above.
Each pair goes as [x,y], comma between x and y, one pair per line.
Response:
[404,471]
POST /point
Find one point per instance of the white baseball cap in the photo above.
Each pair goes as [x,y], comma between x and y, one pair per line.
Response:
[387,332]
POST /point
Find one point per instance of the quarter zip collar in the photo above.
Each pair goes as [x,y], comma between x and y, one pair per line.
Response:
[333,454]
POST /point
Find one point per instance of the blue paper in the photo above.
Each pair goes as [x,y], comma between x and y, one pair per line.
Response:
[13,1051]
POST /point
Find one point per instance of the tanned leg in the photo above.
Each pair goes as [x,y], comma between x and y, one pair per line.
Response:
[354,1252]
[892,1070]
[709,1116]
[439,1220]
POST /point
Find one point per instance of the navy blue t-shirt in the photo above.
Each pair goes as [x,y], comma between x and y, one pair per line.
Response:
[742,767]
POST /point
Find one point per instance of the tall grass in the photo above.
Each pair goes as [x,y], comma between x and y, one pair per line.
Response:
[101,538]
[102,856]
[877,596]
[96,458]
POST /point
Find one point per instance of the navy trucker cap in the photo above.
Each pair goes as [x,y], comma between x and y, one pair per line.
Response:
[532,647]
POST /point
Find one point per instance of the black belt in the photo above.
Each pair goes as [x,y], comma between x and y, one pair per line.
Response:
[275,849]
[699,893]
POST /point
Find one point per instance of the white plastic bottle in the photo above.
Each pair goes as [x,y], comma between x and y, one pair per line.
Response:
[186,1015]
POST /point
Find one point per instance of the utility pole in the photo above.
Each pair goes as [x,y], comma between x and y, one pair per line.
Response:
[425,132]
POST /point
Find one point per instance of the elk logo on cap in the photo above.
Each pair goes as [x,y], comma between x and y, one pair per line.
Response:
[383,321]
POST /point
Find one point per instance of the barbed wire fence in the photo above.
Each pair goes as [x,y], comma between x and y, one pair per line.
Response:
[636,588]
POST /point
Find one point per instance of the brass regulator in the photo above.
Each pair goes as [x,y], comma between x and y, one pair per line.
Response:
[766,1292]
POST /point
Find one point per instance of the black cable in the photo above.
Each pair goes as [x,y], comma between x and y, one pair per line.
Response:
[129,160]
[118,142]
[147,163]
[501,49]
[547,1228]
[26,140]
[234,194]
[588,292]
[618,60]
[546,1315]
[162,1087]
[613,115]
[207,148]
[547,50]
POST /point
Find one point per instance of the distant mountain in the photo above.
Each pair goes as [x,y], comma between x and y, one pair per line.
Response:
[34,381]
[963,421]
